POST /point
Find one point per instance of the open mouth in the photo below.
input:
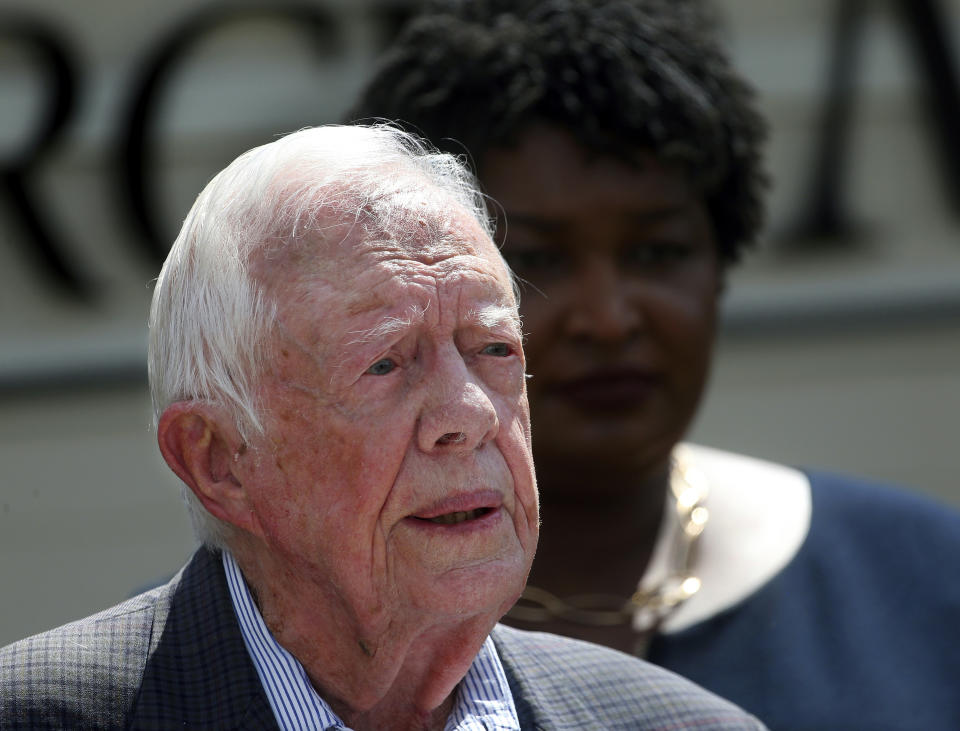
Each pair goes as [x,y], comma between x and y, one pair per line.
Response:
[461,516]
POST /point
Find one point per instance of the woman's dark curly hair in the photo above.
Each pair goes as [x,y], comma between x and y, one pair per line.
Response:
[622,76]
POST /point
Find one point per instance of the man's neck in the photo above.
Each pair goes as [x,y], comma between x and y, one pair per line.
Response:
[400,673]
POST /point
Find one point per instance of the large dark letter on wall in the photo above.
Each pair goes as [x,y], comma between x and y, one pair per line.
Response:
[54,63]
[136,154]
[824,219]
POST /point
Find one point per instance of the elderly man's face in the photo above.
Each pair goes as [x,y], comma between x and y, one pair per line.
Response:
[396,471]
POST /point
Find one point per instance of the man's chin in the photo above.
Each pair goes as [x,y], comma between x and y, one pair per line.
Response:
[487,587]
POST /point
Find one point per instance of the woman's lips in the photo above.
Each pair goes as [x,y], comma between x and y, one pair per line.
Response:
[614,390]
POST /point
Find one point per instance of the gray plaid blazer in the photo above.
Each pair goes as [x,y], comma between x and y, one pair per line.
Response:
[174,658]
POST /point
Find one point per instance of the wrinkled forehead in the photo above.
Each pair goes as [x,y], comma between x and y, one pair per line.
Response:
[423,230]
[339,247]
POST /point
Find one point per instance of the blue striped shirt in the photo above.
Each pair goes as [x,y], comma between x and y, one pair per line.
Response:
[483,702]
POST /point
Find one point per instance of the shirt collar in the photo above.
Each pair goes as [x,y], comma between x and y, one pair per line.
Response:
[759,518]
[483,701]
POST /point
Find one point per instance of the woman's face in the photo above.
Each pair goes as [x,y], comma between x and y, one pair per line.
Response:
[620,307]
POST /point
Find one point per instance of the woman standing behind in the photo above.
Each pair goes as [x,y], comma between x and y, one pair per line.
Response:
[622,154]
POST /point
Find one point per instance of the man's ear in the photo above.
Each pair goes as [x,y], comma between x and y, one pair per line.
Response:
[198,443]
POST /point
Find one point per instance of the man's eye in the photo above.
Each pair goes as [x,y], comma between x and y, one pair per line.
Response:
[499,350]
[382,367]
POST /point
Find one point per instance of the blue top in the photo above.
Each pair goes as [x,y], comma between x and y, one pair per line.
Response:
[861,630]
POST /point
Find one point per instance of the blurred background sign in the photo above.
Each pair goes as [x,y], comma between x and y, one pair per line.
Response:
[841,343]
[114,115]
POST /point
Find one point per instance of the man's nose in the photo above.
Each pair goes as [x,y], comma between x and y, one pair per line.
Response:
[603,305]
[457,414]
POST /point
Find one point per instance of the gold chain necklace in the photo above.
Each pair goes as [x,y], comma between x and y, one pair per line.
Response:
[646,608]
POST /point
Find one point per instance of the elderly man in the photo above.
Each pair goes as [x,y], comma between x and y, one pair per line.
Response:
[338,376]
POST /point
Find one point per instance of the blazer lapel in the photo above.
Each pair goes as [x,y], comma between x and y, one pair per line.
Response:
[199,674]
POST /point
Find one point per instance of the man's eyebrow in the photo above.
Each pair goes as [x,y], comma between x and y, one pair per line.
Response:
[388,326]
[492,316]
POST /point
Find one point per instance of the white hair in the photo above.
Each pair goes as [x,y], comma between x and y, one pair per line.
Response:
[210,318]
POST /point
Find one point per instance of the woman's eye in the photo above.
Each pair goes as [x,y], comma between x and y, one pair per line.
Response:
[534,261]
[652,254]
[382,367]
[499,350]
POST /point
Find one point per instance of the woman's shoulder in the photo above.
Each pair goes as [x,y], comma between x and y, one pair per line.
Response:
[795,507]
[845,492]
